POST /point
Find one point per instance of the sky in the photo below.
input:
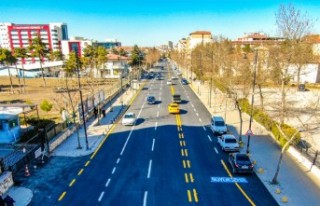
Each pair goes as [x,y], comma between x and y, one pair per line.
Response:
[153,23]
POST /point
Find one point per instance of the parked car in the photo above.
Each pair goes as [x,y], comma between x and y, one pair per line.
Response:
[228,143]
[173,108]
[240,163]
[169,82]
[129,119]
[151,99]
[174,78]
[218,126]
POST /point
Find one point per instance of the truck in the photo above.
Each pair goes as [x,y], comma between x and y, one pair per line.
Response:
[176,98]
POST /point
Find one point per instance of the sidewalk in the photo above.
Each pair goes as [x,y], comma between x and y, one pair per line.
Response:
[297,185]
[95,133]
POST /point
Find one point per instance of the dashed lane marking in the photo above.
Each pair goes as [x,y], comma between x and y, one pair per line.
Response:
[80,172]
[62,196]
[113,170]
[108,182]
[210,138]
[152,147]
[145,197]
[149,169]
[215,149]
[101,196]
[118,160]
[72,182]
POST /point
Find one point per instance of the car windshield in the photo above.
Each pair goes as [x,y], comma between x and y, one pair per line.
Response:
[129,116]
[230,140]
[219,123]
[151,98]
[243,158]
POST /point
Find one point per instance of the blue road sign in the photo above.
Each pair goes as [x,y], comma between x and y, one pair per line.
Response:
[229,180]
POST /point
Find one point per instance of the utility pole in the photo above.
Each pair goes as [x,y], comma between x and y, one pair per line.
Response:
[252,97]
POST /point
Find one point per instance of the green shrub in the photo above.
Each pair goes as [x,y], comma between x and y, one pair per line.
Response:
[265,120]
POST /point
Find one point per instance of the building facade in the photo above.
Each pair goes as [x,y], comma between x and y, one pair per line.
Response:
[19,35]
[77,44]
[108,43]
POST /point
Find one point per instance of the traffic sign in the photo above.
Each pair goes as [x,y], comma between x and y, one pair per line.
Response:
[249,132]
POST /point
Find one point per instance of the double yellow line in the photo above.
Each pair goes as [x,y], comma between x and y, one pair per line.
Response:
[188,176]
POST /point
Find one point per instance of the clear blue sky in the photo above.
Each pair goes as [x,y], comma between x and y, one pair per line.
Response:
[152,23]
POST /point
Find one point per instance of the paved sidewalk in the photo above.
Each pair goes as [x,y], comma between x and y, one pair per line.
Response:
[297,184]
[95,133]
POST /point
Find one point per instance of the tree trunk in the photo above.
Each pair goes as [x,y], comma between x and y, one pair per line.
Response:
[261,97]
[240,117]
[24,79]
[18,74]
[73,113]
[275,177]
[283,102]
[44,80]
[11,84]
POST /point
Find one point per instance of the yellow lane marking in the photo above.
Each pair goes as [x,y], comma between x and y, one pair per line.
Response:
[189,196]
[195,195]
[186,177]
[80,172]
[191,177]
[72,182]
[182,136]
[238,186]
[180,142]
[186,152]
[184,163]
[172,89]
[182,152]
[87,163]
[188,163]
[62,196]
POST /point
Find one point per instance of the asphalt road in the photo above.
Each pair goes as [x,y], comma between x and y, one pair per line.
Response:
[163,160]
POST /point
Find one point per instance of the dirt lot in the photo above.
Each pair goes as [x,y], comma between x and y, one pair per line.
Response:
[35,92]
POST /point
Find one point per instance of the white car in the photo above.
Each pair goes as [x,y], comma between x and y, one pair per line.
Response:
[228,143]
[129,119]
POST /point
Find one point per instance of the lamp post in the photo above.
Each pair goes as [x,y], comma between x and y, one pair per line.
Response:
[252,97]
[81,101]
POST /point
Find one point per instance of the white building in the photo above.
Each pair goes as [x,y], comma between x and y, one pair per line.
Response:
[74,44]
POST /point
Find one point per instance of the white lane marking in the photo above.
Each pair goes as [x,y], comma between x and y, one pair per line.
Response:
[108,182]
[145,198]
[101,196]
[197,114]
[210,138]
[204,128]
[194,109]
[158,114]
[149,169]
[215,149]
[200,119]
[192,105]
[153,144]
[118,160]
[114,169]
[155,126]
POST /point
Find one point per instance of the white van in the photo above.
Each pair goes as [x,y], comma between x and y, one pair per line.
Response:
[218,125]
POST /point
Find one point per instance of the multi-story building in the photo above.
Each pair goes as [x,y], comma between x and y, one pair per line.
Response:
[198,37]
[77,44]
[19,35]
[108,43]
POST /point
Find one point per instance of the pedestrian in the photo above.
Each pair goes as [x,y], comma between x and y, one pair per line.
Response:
[9,201]
[2,202]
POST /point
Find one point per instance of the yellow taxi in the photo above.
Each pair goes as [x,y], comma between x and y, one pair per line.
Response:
[173,108]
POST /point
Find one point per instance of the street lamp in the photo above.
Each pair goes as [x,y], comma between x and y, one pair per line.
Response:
[252,97]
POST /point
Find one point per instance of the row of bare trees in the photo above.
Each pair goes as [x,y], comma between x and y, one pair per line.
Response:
[231,67]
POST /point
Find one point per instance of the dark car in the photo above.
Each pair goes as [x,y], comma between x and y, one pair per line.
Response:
[151,100]
[184,81]
[240,163]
